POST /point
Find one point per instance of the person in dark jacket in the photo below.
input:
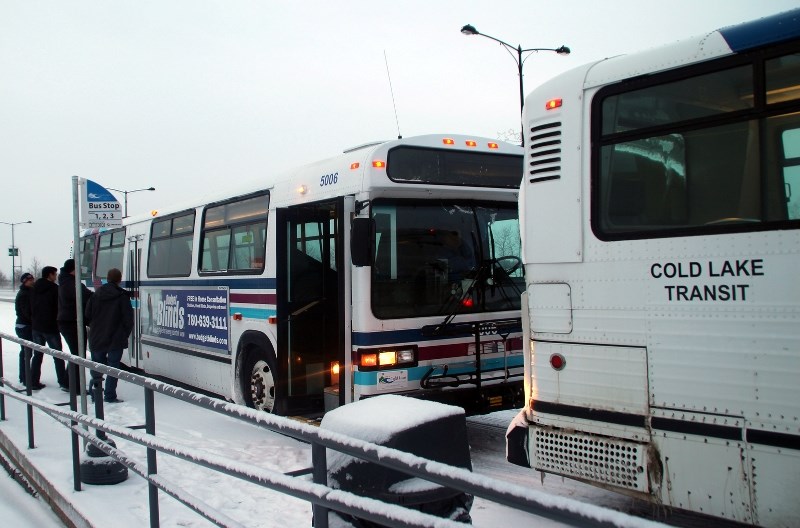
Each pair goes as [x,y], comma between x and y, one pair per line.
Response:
[67,314]
[110,319]
[44,311]
[22,305]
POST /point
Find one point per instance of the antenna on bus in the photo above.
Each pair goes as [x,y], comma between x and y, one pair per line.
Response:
[391,90]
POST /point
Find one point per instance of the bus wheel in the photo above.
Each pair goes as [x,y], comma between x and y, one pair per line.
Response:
[259,390]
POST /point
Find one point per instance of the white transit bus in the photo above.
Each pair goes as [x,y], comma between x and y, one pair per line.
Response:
[392,268]
[660,214]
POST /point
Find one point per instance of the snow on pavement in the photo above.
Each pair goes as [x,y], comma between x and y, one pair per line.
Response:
[126,504]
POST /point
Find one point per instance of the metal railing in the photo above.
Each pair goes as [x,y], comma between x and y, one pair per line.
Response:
[321,496]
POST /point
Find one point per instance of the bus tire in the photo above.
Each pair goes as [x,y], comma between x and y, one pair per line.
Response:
[258,380]
[455,509]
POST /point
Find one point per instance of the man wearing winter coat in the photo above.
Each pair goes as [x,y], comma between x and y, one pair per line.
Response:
[44,311]
[67,314]
[110,319]
[22,306]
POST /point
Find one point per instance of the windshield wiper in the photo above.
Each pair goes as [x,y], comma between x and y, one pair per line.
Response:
[446,327]
[500,278]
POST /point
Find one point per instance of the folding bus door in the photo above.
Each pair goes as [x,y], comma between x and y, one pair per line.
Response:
[310,303]
[132,283]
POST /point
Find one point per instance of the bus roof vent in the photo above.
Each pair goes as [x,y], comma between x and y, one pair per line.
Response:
[544,146]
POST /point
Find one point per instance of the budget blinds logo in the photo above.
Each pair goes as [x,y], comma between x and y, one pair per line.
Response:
[392,381]
[193,316]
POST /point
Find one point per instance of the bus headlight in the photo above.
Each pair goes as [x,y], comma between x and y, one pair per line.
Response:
[387,357]
[335,373]
[406,356]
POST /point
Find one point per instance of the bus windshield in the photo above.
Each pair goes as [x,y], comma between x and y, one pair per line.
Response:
[445,257]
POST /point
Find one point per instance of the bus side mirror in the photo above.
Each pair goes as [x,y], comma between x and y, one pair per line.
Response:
[362,241]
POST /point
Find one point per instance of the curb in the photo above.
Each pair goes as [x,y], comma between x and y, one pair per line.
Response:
[60,505]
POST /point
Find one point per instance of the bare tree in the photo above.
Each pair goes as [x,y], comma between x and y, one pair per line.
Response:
[35,267]
[510,136]
[4,278]
[506,240]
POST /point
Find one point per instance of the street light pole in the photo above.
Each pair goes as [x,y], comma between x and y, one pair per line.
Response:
[14,249]
[125,194]
[519,59]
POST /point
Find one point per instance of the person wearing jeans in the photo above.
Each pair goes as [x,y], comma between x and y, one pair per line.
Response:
[110,318]
[67,312]
[44,311]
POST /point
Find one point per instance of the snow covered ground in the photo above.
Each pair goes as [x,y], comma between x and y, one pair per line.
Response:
[19,509]
[126,504]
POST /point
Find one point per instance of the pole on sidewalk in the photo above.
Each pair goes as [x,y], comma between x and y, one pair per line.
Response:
[76,236]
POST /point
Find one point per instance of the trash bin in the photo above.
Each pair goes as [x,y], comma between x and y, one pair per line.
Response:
[427,429]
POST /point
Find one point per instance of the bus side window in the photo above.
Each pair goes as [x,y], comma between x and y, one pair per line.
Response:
[233,236]
[170,251]
[626,192]
[180,257]
[87,257]
[790,140]
[110,253]
[647,182]
[782,78]
[249,245]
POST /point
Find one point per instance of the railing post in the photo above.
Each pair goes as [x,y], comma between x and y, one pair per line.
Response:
[2,396]
[29,393]
[97,391]
[319,464]
[152,466]
[76,445]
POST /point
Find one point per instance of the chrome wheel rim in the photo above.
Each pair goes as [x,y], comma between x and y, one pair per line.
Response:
[262,387]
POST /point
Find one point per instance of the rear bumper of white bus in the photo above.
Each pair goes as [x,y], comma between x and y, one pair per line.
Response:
[612,463]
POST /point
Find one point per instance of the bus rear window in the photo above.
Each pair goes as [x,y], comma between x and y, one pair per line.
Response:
[701,155]
[674,102]
[782,77]
[791,171]
[441,167]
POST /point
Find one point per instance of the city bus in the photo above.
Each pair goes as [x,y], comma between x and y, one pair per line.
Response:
[660,214]
[392,268]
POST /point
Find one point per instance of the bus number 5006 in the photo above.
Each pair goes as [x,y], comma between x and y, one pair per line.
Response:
[329,179]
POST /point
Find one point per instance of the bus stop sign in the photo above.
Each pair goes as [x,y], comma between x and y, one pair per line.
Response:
[99,208]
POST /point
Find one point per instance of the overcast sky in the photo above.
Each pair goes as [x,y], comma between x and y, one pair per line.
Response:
[186,95]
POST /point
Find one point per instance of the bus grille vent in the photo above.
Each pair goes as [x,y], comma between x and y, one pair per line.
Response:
[545,152]
[593,458]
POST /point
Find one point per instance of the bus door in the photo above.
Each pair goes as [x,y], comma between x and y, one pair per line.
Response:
[133,281]
[310,305]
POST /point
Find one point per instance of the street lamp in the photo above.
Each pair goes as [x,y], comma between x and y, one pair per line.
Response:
[519,59]
[13,249]
[125,193]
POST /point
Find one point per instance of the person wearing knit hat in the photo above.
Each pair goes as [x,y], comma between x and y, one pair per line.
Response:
[23,328]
